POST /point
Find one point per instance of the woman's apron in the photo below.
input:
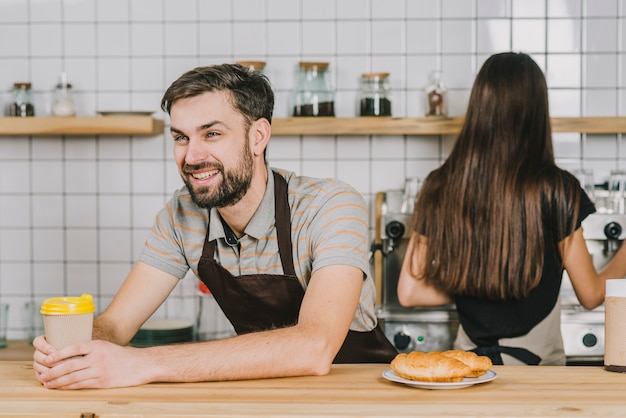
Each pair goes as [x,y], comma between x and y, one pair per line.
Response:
[543,345]
[260,302]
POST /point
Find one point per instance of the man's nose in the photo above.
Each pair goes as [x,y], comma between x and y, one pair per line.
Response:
[196,152]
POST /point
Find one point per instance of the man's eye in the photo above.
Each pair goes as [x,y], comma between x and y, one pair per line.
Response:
[212,134]
[180,138]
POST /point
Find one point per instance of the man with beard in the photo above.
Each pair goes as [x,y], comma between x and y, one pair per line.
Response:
[285,256]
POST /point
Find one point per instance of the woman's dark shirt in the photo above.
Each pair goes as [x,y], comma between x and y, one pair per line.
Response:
[486,321]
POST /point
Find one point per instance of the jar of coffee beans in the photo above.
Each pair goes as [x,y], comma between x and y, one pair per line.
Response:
[313,94]
[22,104]
[374,95]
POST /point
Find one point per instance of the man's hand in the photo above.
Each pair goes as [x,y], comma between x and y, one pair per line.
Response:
[91,364]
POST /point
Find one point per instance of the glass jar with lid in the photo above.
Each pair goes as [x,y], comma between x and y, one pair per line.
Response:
[436,99]
[63,98]
[254,66]
[375,95]
[313,94]
[22,104]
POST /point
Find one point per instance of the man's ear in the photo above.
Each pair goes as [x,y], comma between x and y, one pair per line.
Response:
[260,133]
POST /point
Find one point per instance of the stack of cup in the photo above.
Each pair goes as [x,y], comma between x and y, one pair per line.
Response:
[615,326]
[68,320]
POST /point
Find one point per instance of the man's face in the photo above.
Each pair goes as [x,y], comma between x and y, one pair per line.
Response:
[211,149]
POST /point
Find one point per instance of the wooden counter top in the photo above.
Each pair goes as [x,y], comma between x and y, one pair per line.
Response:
[349,390]
[17,350]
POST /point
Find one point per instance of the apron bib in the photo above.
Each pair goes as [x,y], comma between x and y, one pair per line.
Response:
[260,302]
[543,341]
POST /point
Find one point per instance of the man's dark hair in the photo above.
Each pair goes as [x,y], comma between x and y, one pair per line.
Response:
[251,92]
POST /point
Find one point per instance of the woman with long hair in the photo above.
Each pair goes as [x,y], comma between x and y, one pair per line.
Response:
[496,224]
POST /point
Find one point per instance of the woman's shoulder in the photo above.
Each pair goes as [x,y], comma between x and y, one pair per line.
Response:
[564,194]
[556,179]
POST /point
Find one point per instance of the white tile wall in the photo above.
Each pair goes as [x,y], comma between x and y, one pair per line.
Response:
[74,211]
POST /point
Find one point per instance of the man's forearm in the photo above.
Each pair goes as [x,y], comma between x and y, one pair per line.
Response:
[104,330]
[282,352]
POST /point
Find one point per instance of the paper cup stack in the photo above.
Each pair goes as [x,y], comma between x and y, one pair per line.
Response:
[615,326]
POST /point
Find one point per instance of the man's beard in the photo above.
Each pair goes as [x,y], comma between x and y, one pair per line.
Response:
[235,183]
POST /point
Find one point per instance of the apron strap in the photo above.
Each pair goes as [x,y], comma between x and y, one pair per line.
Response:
[283,224]
[493,352]
[283,229]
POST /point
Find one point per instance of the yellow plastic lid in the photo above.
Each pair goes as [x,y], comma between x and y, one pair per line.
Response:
[68,305]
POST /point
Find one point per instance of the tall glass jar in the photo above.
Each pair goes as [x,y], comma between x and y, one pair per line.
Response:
[22,104]
[313,95]
[436,96]
[254,66]
[63,104]
[374,95]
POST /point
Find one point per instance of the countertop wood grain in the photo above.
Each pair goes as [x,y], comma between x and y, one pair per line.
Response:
[17,350]
[348,391]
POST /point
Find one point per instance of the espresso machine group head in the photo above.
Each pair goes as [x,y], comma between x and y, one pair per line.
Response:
[604,234]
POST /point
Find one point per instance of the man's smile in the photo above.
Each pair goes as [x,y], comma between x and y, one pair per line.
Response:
[204,175]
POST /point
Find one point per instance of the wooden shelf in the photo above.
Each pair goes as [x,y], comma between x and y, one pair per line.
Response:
[97,125]
[424,126]
[146,125]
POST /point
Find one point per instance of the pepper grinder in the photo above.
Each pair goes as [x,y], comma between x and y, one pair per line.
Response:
[436,100]
[63,101]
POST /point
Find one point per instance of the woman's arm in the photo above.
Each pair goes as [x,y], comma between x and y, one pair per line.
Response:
[589,284]
[412,290]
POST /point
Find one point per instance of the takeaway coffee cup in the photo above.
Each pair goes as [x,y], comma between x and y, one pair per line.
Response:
[68,320]
[615,326]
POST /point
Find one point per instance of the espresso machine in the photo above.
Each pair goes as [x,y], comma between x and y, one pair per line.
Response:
[408,329]
[582,329]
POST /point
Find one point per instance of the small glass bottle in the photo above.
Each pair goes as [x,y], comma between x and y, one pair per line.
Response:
[374,99]
[254,66]
[63,98]
[313,95]
[436,99]
[22,104]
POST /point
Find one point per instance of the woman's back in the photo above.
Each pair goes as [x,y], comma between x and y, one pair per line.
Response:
[483,211]
[497,223]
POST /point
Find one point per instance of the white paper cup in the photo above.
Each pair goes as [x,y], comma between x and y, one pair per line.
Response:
[615,326]
[68,320]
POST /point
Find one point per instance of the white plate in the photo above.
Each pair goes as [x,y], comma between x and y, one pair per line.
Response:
[466,382]
[125,112]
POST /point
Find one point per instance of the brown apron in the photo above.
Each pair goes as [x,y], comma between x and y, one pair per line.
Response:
[260,302]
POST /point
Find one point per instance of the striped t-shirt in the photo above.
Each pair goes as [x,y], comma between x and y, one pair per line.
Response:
[328,227]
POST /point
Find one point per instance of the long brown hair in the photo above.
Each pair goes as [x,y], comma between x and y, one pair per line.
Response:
[483,211]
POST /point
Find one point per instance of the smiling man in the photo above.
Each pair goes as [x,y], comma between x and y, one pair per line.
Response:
[285,256]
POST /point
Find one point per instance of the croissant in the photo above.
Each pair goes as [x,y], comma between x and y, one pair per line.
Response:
[437,366]
[429,367]
[478,364]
